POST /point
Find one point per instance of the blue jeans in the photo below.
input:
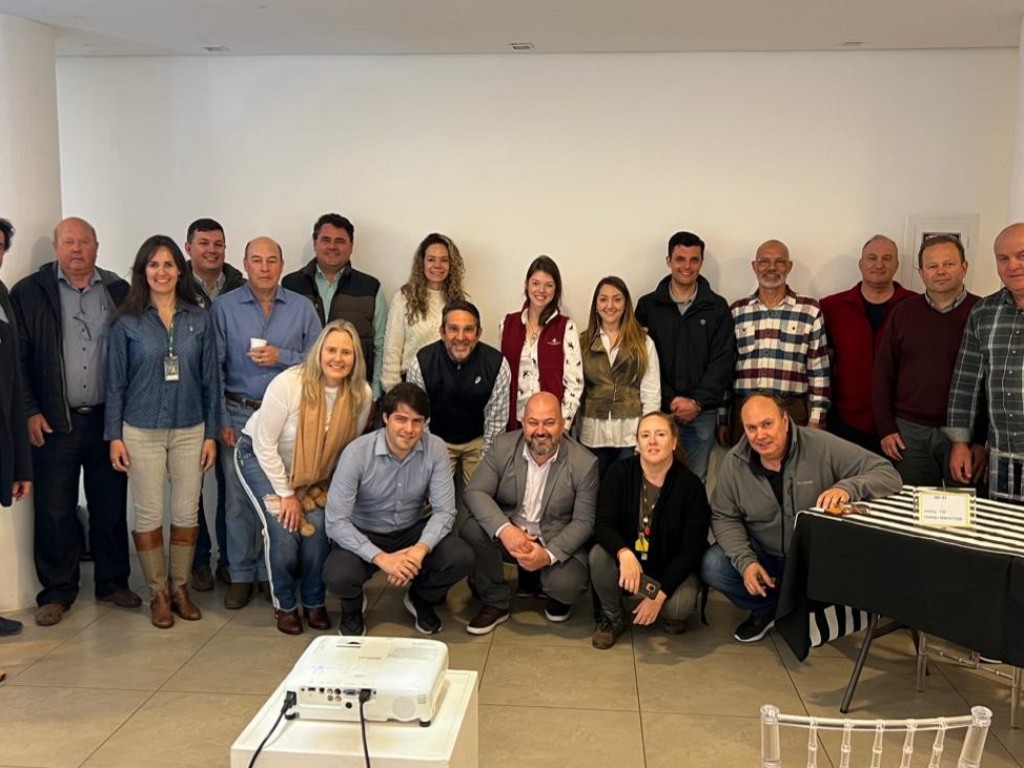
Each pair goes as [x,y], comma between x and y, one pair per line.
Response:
[204,546]
[698,438]
[608,456]
[717,572]
[245,539]
[289,555]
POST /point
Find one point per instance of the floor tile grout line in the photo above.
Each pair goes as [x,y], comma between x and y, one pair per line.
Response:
[639,703]
[124,722]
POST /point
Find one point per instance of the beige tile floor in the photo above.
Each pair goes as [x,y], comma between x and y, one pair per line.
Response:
[105,689]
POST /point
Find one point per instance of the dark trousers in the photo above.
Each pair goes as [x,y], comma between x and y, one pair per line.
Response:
[204,546]
[58,465]
[608,456]
[564,581]
[447,564]
[867,440]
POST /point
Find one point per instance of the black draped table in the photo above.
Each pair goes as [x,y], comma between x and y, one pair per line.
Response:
[963,585]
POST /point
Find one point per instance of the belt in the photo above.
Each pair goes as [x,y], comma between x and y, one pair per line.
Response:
[236,398]
[85,410]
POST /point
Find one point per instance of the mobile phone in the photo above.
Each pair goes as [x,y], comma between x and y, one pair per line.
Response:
[649,588]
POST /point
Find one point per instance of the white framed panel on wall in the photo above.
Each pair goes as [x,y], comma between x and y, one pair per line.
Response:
[919,227]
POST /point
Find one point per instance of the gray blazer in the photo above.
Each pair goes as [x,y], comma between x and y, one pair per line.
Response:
[567,519]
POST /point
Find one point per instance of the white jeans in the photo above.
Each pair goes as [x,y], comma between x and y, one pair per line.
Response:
[156,456]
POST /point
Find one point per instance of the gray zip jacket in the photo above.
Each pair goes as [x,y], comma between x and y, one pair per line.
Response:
[743,506]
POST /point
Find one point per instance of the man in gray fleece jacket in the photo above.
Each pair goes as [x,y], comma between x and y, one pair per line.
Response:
[778,470]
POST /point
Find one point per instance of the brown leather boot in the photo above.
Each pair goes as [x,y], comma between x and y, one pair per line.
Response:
[183,547]
[149,545]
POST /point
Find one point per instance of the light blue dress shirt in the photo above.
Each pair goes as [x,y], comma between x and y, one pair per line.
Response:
[374,491]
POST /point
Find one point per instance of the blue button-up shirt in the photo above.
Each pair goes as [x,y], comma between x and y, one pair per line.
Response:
[292,326]
[137,392]
[85,314]
[373,491]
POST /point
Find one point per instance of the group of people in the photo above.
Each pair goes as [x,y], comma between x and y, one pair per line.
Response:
[336,426]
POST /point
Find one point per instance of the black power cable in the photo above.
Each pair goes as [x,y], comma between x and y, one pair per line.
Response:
[289,701]
[364,696]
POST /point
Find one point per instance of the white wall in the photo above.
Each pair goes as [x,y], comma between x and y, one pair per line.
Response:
[30,197]
[593,159]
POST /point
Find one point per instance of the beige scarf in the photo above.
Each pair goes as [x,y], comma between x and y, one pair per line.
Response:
[316,448]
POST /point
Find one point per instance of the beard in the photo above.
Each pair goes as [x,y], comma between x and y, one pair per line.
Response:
[542,446]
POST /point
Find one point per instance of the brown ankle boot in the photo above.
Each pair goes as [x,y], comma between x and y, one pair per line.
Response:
[183,547]
[149,546]
[181,604]
[160,606]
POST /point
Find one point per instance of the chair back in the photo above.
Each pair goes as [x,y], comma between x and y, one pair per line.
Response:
[976,723]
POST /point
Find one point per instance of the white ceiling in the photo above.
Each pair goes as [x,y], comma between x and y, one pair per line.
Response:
[262,27]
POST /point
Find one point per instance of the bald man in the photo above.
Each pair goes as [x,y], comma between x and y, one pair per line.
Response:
[62,312]
[777,470]
[991,352]
[854,321]
[262,328]
[531,503]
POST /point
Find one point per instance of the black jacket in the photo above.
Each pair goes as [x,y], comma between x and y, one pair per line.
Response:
[232,279]
[15,454]
[36,301]
[679,526]
[696,351]
[354,300]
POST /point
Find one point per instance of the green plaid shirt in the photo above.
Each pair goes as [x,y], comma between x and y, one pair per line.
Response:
[991,355]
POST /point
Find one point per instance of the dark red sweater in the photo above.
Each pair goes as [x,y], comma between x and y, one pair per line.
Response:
[852,346]
[914,363]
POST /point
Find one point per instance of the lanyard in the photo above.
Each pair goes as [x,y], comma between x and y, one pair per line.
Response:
[170,337]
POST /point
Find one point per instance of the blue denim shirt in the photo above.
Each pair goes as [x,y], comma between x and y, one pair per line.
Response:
[137,393]
[292,326]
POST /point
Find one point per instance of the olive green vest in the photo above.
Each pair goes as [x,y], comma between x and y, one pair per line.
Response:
[610,390]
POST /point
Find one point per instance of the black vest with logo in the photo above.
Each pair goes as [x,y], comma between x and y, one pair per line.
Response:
[458,392]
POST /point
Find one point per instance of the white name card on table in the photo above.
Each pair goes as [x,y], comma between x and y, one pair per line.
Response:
[946,507]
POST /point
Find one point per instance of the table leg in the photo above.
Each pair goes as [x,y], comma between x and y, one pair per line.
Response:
[859,666]
[922,660]
[1018,673]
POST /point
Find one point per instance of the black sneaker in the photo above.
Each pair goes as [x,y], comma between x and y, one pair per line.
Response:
[486,619]
[427,620]
[754,628]
[557,611]
[9,627]
[528,583]
[352,624]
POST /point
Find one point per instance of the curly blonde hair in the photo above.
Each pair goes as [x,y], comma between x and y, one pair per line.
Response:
[415,289]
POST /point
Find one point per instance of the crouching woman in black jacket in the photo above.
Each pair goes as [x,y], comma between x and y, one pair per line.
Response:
[652,521]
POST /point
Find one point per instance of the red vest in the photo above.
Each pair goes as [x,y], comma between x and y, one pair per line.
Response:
[550,357]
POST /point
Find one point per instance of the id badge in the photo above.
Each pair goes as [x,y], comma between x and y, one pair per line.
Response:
[171,368]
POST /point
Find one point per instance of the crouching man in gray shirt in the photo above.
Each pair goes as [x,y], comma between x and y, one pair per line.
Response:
[778,470]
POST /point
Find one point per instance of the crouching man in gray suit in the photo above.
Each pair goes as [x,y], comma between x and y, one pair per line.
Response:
[531,503]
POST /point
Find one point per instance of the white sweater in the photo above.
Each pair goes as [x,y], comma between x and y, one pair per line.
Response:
[402,341]
[274,426]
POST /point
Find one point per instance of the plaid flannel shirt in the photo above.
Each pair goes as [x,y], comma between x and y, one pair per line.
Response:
[991,355]
[783,350]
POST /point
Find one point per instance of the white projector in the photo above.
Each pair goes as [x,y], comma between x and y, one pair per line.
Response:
[402,676]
